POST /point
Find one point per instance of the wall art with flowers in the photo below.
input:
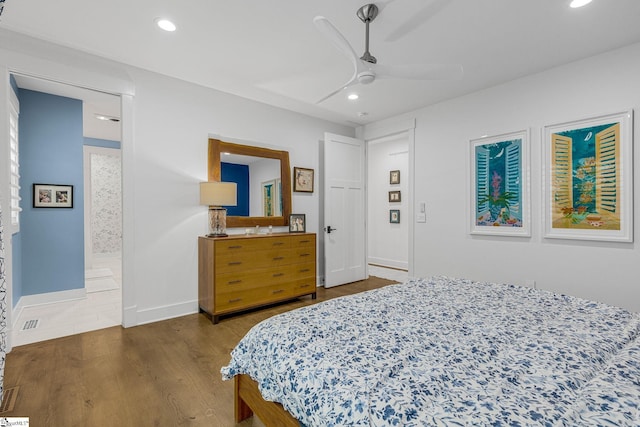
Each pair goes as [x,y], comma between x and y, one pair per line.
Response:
[500,185]
[588,181]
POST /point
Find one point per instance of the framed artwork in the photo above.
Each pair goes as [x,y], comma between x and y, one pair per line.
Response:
[52,196]
[394,177]
[588,182]
[297,223]
[394,216]
[271,199]
[303,180]
[500,185]
[394,196]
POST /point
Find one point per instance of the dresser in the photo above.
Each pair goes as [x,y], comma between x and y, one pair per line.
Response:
[236,273]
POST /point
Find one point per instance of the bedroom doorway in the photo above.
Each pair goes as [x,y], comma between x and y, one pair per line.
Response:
[53,313]
[388,206]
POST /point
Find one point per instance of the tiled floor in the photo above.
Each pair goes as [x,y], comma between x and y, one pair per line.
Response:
[101,308]
[388,273]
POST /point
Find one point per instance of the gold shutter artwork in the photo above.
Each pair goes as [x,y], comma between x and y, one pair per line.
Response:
[607,167]
[562,174]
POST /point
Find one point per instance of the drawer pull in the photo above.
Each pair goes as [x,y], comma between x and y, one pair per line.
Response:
[304,270]
[306,285]
[235,263]
[233,282]
[305,254]
[278,258]
[231,301]
[235,247]
[278,243]
[279,291]
[278,274]
[305,241]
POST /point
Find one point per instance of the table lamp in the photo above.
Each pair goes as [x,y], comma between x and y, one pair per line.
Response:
[216,195]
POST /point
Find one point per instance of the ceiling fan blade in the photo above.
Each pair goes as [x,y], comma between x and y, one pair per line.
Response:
[417,19]
[420,72]
[353,81]
[328,30]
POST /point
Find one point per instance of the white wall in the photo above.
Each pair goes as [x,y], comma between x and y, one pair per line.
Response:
[601,271]
[173,120]
[387,243]
[166,125]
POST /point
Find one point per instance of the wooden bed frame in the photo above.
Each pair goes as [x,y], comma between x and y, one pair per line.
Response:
[249,401]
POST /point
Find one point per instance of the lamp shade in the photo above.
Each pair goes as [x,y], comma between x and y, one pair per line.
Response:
[213,193]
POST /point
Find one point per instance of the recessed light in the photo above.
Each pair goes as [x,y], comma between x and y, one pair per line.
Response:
[165,24]
[579,3]
[352,96]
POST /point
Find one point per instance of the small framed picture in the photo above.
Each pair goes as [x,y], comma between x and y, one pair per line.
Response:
[303,180]
[52,196]
[394,177]
[394,196]
[297,223]
[394,216]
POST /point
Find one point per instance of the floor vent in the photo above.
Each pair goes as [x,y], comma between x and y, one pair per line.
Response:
[30,324]
[9,399]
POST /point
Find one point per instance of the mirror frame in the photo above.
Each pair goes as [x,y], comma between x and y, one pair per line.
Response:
[216,147]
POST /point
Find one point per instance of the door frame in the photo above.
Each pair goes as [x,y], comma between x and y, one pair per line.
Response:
[388,129]
[94,75]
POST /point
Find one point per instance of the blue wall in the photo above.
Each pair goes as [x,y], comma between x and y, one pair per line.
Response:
[231,172]
[51,153]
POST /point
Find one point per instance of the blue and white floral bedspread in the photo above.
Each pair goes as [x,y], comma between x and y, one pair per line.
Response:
[449,352]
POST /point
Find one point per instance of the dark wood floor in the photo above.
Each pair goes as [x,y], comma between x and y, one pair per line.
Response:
[162,374]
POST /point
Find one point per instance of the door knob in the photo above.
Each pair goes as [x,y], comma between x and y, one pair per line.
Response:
[329,229]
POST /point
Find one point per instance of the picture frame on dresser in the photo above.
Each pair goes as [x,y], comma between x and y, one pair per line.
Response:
[297,223]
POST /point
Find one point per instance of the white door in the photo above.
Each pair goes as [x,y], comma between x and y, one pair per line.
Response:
[344,218]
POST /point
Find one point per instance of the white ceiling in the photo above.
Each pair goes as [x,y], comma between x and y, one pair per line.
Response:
[270,51]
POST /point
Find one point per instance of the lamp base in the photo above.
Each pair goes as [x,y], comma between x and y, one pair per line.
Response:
[217,222]
[218,235]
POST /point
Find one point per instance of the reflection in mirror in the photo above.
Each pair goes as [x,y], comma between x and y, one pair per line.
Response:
[259,184]
[269,193]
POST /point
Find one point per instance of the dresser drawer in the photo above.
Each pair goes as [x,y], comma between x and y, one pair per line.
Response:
[305,270]
[303,241]
[242,261]
[247,244]
[303,254]
[304,286]
[252,297]
[254,278]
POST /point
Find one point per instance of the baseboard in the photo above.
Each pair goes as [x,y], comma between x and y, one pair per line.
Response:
[383,262]
[165,312]
[47,298]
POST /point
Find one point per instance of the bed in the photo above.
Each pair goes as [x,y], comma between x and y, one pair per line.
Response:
[442,352]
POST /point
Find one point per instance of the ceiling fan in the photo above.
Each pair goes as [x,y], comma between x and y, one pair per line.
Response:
[366,67]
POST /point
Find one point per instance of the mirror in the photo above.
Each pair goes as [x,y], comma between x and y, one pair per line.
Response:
[277,189]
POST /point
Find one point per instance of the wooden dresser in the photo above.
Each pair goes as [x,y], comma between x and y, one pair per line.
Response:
[240,272]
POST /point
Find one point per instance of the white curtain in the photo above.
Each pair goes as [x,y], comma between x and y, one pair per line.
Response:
[3,308]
